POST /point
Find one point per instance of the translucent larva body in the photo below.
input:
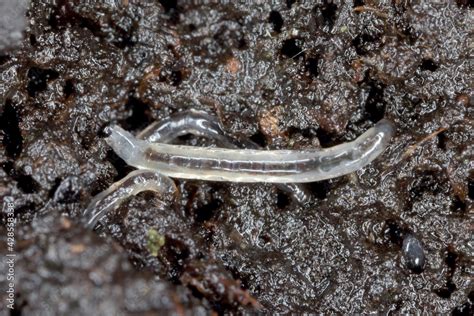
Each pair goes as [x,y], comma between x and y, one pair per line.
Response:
[251,165]
[135,182]
[200,123]
[155,160]
[193,122]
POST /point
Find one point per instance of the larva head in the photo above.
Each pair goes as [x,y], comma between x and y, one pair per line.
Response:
[122,142]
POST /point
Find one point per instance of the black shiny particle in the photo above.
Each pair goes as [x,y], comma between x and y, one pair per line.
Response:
[413,253]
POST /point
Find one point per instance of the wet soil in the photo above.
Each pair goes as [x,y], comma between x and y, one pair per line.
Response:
[290,74]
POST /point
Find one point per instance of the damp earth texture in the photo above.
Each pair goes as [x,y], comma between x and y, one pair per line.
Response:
[394,236]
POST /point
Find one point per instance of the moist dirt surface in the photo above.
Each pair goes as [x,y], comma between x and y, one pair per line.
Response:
[394,237]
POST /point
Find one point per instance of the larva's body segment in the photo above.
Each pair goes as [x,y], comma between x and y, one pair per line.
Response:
[134,183]
[193,122]
[200,123]
[249,165]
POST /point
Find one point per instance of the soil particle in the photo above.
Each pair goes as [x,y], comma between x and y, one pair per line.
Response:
[64,269]
[414,253]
